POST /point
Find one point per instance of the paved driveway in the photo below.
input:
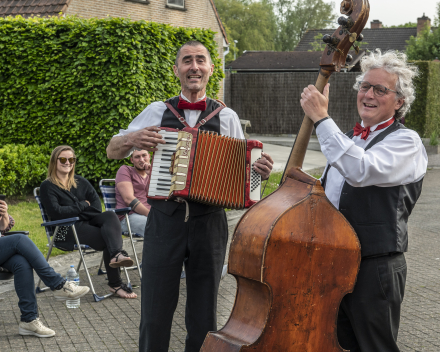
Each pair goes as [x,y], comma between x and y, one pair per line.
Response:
[112,325]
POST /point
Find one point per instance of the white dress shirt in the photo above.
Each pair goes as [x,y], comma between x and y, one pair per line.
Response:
[152,116]
[398,159]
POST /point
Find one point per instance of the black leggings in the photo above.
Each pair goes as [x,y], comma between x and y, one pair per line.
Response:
[103,233]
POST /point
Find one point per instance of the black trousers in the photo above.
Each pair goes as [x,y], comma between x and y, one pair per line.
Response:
[103,233]
[369,317]
[168,241]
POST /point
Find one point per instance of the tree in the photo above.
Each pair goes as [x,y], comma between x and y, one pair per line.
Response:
[295,17]
[426,46]
[437,17]
[252,24]
[318,44]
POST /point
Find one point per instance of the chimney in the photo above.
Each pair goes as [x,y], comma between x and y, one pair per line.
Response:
[376,24]
[422,22]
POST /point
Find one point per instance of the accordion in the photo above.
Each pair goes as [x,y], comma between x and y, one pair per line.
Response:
[205,167]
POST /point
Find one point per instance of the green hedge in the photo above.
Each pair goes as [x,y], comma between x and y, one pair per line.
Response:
[22,167]
[424,116]
[78,81]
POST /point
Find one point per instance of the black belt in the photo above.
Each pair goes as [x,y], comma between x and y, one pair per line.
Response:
[381,255]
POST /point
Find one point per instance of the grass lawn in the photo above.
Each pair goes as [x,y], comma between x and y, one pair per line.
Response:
[27,214]
[274,181]
[27,217]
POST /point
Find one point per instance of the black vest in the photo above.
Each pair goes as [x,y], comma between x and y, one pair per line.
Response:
[171,121]
[379,215]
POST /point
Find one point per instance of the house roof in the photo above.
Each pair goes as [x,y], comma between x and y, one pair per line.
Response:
[27,8]
[282,61]
[381,38]
[219,21]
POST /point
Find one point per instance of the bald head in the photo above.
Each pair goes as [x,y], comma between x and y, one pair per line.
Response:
[192,43]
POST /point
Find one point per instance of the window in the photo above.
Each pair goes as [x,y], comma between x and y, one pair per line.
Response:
[176,3]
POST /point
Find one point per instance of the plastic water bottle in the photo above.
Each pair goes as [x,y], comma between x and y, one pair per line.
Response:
[72,275]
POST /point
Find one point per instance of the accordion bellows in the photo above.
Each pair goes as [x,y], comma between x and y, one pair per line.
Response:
[205,167]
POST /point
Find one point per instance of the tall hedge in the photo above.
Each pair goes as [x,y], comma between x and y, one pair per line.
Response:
[78,81]
[22,167]
[424,116]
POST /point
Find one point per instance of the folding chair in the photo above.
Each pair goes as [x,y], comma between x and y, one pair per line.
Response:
[82,249]
[108,194]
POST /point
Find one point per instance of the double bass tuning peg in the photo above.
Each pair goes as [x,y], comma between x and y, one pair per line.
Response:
[349,58]
[360,38]
[345,22]
[331,41]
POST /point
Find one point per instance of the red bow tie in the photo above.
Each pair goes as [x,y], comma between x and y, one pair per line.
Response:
[183,104]
[365,131]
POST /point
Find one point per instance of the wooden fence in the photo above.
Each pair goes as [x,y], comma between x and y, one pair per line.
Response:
[271,100]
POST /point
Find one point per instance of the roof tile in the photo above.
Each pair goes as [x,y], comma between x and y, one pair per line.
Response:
[26,8]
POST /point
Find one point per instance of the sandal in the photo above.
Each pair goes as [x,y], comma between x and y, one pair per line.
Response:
[127,261]
[124,288]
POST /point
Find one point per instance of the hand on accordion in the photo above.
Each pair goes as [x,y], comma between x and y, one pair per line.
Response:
[146,139]
[264,166]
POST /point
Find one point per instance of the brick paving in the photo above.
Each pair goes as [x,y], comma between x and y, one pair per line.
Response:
[112,325]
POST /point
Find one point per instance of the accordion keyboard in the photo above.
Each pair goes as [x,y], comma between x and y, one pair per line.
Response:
[160,178]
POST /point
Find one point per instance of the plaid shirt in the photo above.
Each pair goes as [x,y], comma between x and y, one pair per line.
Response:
[9,227]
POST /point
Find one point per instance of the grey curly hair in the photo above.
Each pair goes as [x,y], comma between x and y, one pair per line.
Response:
[396,63]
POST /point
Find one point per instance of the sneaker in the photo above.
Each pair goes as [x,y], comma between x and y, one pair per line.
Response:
[70,291]
[35,328]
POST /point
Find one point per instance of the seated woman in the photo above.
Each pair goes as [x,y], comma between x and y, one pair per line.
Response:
[66,195]
[20,255]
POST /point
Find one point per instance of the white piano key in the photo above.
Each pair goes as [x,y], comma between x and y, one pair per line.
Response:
[161,176]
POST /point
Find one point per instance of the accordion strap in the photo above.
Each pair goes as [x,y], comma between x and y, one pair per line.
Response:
[201,122]
[174,111]
[209,117]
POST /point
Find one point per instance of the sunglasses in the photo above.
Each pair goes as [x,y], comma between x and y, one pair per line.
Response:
[378,89]
[64,160]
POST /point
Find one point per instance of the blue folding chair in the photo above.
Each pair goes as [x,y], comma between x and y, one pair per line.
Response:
[53,228]
[108,194]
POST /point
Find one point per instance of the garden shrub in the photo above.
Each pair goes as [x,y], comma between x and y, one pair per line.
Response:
[22,167]
[78,81]
[424,116]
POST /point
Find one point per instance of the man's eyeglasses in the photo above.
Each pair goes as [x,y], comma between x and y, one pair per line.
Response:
[378,90]
[64,160]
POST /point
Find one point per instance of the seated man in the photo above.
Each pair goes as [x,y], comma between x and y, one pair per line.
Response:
[131,191]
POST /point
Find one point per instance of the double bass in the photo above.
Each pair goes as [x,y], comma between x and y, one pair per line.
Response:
[293,254]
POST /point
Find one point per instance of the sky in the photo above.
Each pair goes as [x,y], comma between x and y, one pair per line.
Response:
[395,12]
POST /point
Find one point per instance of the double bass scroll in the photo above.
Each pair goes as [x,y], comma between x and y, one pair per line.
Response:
[293,254]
